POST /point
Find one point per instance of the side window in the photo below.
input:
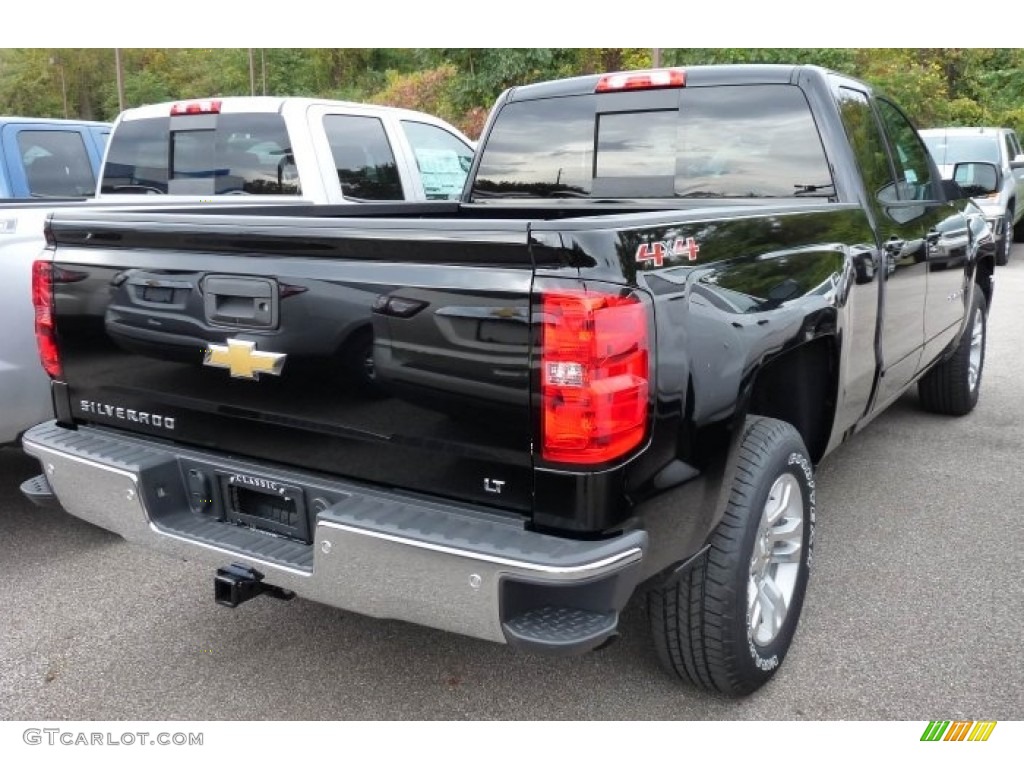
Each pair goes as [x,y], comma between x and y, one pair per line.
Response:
[868,144]
[443,160]
[100,138]
[56,164]
[913,176]
[1012,148]
[363,158]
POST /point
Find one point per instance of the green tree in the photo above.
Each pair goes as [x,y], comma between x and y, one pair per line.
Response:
[936,86]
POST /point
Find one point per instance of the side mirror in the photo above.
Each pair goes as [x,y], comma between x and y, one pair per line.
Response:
[976,180]
[1017,163]
[864,265]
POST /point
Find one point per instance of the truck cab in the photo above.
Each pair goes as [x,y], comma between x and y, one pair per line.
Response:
[318,150]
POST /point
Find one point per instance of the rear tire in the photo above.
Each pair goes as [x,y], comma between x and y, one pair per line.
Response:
[726,623]
[1018,231]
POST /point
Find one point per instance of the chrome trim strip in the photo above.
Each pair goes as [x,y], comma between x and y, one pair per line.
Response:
[586,570]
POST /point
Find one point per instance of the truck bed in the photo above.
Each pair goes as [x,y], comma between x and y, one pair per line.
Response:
[410,346]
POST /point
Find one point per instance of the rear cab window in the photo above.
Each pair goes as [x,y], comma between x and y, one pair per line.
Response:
[56,163]
[724,141]
[214,154]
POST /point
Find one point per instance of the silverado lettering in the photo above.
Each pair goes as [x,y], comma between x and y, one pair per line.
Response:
[662,299]
[126,414]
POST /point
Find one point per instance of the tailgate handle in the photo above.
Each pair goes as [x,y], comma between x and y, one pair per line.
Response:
[241,302]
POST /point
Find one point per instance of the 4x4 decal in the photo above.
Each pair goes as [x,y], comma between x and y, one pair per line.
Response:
[657,252]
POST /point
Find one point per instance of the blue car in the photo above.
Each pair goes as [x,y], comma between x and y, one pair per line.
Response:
[49,158]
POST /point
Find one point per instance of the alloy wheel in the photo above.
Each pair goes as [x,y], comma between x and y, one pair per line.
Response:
[775,562]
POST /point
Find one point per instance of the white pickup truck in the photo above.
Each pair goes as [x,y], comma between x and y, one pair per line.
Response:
[228,151]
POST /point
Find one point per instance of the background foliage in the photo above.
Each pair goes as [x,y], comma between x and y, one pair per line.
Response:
[937,86]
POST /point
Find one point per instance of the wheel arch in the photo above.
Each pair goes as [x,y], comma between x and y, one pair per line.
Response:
[799,386]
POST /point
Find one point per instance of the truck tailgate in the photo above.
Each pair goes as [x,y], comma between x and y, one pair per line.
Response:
[381,351]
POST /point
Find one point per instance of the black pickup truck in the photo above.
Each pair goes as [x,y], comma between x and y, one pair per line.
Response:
[609,370]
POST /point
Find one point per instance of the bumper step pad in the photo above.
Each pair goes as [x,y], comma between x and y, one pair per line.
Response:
[560,629]
[37,490]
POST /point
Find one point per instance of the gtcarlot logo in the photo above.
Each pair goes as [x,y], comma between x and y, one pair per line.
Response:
[57,736]
[958,730]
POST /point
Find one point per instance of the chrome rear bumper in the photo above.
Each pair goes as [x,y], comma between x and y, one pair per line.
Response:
[454,567]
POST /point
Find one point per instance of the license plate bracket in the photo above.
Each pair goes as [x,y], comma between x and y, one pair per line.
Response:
[158,294]
[266,505]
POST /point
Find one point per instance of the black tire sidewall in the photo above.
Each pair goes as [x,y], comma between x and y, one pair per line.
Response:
[758,663]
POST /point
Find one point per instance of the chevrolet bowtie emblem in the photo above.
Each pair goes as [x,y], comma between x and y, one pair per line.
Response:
[242,359]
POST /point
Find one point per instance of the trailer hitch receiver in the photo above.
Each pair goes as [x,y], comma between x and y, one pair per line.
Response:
[235,583]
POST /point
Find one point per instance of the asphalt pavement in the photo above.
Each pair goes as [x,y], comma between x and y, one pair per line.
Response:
[913,611]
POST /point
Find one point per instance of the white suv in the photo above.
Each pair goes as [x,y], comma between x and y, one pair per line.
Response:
[1005,209]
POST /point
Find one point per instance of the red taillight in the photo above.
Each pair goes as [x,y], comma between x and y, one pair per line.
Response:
[208,107]
[594,376]
[42,300]
[642,80]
